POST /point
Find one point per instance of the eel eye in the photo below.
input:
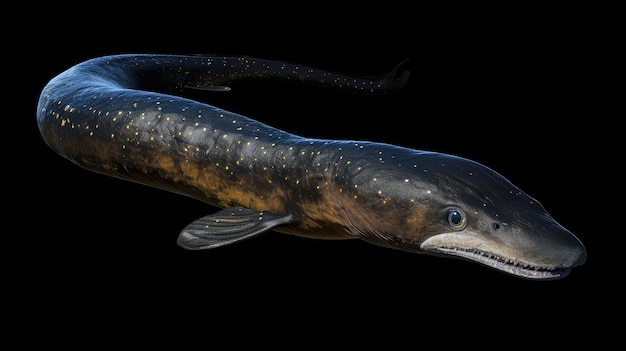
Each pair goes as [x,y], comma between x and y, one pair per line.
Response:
[456,218]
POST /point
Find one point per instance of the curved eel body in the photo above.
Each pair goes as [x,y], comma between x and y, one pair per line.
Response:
[124,116]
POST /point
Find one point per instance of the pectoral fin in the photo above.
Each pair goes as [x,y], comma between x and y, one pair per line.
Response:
[228,226]
[218,88]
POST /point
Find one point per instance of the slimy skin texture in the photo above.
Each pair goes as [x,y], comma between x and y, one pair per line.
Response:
[125,116]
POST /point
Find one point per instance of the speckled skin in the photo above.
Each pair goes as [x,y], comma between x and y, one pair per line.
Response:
[122,116]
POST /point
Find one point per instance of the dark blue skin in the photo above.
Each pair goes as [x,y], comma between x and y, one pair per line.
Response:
[124,116]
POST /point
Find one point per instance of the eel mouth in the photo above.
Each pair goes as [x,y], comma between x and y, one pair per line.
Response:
[502,264]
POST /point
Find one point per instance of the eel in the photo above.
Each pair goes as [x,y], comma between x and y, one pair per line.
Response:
[127,116]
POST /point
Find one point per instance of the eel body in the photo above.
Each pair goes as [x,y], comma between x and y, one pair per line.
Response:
[126,116]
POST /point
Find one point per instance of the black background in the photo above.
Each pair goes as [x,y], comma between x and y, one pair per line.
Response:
[513,90]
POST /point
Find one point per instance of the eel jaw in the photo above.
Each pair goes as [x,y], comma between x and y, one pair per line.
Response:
[484,254]
[503,265]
